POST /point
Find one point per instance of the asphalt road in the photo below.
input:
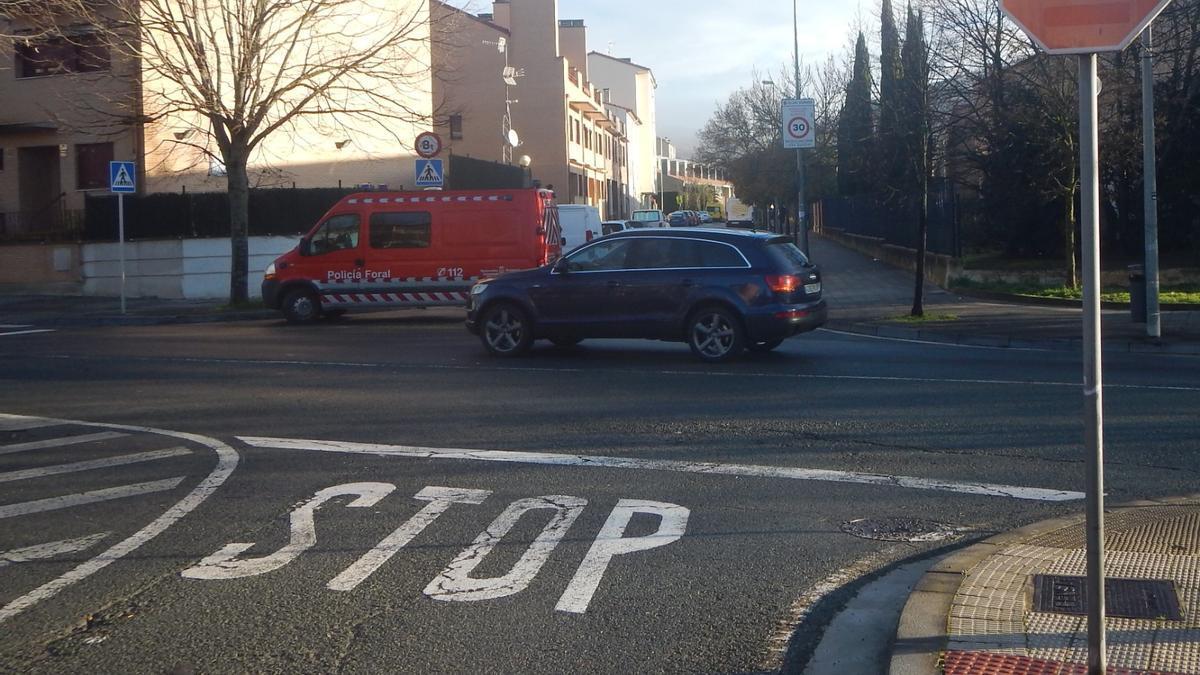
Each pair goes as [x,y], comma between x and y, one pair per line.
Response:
[377,495]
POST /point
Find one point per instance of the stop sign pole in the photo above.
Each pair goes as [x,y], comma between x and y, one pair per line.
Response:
[1087,28]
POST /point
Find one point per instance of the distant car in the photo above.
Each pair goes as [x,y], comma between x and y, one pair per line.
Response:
[611,226]
[679,219]
[705,217]
[650,218]
[720,291]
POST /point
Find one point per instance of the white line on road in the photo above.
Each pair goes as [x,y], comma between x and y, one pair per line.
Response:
[91,464]
[92,497]
[27,332]
[50,549]
[60,442]
[477,367]
[15,325]
[227,460]
[22,423]
[745,470]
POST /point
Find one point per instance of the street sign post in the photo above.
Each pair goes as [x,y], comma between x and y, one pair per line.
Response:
[799,129]
[1086,28]
[122,180]
[429,173]
[428,144]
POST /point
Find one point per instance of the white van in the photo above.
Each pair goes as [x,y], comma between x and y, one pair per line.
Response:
[580,224]
[651,218]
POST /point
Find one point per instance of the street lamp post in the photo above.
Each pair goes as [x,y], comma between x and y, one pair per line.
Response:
[801,206]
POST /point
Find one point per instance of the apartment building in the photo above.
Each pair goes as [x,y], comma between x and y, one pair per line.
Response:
[73,105]
[574,141]
[630,94]
[676,175]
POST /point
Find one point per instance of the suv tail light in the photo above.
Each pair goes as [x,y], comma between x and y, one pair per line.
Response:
[783,283]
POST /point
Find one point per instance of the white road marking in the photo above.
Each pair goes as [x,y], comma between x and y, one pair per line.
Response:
[440,498]
[612,542]
[27,332]
[92,464]
[15,325]
[711,468]
[50,549]
[455,583]
[60,442]
[932,343]
[477,367]
[22,423]
[224,564]
[92,497]
[227,460]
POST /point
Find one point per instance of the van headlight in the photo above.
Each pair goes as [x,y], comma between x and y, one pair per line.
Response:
[270,273]
[478,288]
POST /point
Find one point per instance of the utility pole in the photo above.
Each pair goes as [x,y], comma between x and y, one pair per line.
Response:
[1150,188]
[801,206]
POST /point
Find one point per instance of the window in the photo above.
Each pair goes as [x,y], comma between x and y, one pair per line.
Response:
[336,234]
[91,165]
[456,126]
[602,257]
[55,56]
[401,229]
[721,255]
[787,254]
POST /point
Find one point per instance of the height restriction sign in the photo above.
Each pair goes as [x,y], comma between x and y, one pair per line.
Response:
[799,127]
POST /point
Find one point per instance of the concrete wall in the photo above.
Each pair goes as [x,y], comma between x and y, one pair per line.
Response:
[50,268]
[188,268]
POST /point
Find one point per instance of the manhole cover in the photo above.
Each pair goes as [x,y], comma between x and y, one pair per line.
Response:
[1127,598]
[900,529]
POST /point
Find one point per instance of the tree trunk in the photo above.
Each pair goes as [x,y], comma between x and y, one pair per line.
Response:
[918,308]
[1069,238]
[239,221]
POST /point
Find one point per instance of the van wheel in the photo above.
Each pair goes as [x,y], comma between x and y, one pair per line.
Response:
[765,346]
[715,334]
[301,306]
[507,330]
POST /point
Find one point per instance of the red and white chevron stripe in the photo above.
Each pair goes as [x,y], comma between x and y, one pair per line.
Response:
[413,299]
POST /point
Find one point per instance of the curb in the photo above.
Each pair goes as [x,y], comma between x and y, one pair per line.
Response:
[923,629]
[1006,341]
[1016,299]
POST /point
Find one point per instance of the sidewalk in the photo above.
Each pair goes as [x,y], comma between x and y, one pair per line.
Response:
[866,297]
[991,608]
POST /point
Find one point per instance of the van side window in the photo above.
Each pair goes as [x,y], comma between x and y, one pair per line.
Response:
[401,229]
[336,234]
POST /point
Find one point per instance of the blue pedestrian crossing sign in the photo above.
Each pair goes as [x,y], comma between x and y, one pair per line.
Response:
[429,173]
[121,177]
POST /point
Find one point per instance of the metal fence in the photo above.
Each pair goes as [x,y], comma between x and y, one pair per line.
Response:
[468,173]
[206,214]
[895,220]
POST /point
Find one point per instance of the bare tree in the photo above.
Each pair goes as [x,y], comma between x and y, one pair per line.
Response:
[230,74]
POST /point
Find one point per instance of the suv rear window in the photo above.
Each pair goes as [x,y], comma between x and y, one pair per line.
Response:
[786,254]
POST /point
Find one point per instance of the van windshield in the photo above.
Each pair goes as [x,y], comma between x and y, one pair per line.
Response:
[647,216]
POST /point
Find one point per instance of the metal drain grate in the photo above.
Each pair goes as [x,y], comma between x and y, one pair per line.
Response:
[1127,598]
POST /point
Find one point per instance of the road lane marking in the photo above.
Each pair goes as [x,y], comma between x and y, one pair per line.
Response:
[455,583]
[27,332]
[478,367]
[612,542]
[227,460]
[60,442]
[92,464]
[440,499]
[225,564]
[22,423]
[15,325]
[710,468]
[90,497]
[51,549]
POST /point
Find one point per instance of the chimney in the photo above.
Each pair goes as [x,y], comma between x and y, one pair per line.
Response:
[534,26]
[572,36]
[500,14]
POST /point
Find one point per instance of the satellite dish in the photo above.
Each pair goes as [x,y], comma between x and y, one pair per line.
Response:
[512,138]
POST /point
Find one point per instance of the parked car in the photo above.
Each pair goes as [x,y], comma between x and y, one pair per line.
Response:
[580,224]
[705,217]
[720,291]
[411,249]
[650,218]
[679,219]
[611,226]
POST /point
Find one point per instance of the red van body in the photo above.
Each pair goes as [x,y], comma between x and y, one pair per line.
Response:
[412,249]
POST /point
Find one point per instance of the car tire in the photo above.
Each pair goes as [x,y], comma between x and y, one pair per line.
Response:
[565,340]
[764,346]
[715,334]
[506,330]
[301,306]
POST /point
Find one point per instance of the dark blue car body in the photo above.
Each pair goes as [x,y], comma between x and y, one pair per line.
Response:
[755,288]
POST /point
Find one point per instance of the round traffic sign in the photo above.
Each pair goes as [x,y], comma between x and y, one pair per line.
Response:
[428,144]
[798,127]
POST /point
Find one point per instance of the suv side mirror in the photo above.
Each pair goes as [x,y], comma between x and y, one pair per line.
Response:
[560,266]
[305,247]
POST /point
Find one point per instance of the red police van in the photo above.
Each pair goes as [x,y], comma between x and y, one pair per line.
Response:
[412,249]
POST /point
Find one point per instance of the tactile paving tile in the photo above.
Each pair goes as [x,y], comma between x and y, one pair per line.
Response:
[1119,528]
[984,663]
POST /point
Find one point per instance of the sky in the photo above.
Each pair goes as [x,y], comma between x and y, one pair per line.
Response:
[702,51]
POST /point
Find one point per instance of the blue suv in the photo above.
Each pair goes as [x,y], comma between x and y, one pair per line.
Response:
[720,291]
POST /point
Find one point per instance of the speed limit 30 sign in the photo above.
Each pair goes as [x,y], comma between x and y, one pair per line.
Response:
[799,129]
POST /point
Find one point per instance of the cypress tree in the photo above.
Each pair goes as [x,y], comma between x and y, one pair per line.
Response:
[855,127]
[891,170]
